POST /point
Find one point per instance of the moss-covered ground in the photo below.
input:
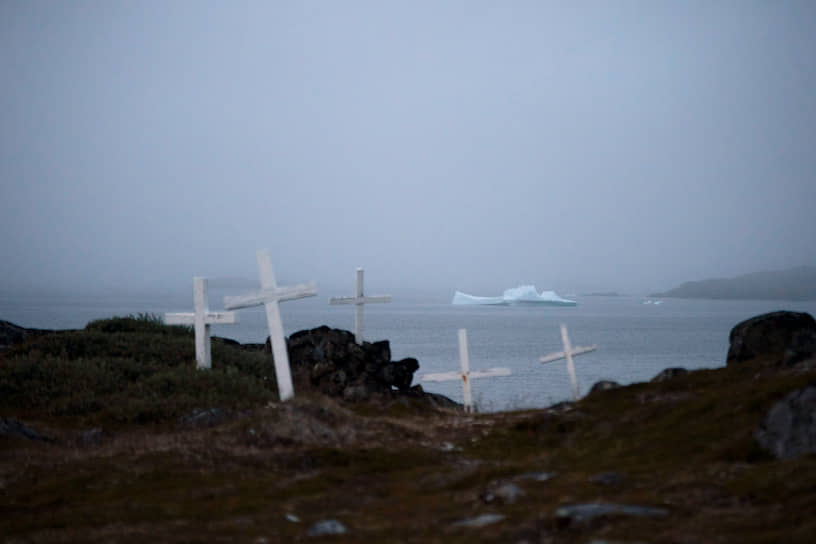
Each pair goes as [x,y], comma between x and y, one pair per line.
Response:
[398,473]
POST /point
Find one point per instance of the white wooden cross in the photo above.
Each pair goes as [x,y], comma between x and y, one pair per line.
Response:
[359,300]
[201,319]
[567,354]
[465,374]
[270,296]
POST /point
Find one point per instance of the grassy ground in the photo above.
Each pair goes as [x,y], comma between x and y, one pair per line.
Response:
[398,473]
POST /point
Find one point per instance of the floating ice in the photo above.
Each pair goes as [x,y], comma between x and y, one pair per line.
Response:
[463,298]
[523,294]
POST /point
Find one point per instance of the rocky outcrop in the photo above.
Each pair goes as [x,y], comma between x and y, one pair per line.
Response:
[669,373]
[801,350]
[789,428]
[584,513]
[604,385]
[331,362]
[327,527]
[767,334]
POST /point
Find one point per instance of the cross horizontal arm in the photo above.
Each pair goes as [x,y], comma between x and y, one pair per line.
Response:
[450,376]
[221,317]
[560,354]
[210,318]
[281,294]
[441,377]
[359,300]
[179,319]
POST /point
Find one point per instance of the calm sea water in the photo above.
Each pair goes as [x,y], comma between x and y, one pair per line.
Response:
[635,340]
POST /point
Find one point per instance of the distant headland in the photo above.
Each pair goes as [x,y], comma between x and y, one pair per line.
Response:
[792,284]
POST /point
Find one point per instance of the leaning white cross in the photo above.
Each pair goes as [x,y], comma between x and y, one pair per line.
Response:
[359,300]
[270,296]
[567,354]
[466,374]
[201,320]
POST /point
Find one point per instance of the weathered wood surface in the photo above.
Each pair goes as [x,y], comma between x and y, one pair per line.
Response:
[561,355]
[214,318]
[281,294]
[270,296]
[450,376]
[360,300]
[567,354]
[465,374]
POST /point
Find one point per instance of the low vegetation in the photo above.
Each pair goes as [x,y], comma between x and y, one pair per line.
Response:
[141,445]
[128,370]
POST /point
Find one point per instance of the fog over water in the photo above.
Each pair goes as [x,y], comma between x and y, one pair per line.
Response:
[579,146]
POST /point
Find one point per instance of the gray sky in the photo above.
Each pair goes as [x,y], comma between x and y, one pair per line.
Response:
[449,145]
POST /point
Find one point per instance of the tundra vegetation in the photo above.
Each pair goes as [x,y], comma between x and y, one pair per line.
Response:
[111,434]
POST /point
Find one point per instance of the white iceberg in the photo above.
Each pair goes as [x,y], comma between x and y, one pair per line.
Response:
[463,298]
[523,294]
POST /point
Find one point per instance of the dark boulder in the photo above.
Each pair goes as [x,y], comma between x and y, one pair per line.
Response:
[789,428]
[327,527]
[767,334]
[603,385]
[399,374]
[573,514]
[669,373]
[802,349]
[331,362]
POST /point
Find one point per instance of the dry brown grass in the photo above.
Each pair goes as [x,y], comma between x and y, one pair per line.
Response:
[404,473]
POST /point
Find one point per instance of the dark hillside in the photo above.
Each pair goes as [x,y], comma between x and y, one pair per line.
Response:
[122,440]
[792,284]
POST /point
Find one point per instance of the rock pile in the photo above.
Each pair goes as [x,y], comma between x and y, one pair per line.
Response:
[771,333]
[789,428]
[331,362]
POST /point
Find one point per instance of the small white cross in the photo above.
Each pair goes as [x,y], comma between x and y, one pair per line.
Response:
[201,320]
[359,300]
[465,374]
[567,354]
[271,296]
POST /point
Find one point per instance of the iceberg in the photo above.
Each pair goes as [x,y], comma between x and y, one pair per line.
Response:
[521,295]
[463,298]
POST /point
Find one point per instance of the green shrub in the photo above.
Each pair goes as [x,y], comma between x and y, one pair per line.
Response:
[129,370]
[143,322]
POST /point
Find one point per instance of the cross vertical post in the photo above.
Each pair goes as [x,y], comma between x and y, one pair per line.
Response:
[358,309]
[465,374]
[201,319]
[201,327]
[570,365]
[273,318]
[270,296]
[567,354]
[359,299]
[463,358]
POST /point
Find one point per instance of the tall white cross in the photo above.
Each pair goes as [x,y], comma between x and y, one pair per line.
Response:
[201,319]
[271,296]
[359,300]
[465,374]
[567,354]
